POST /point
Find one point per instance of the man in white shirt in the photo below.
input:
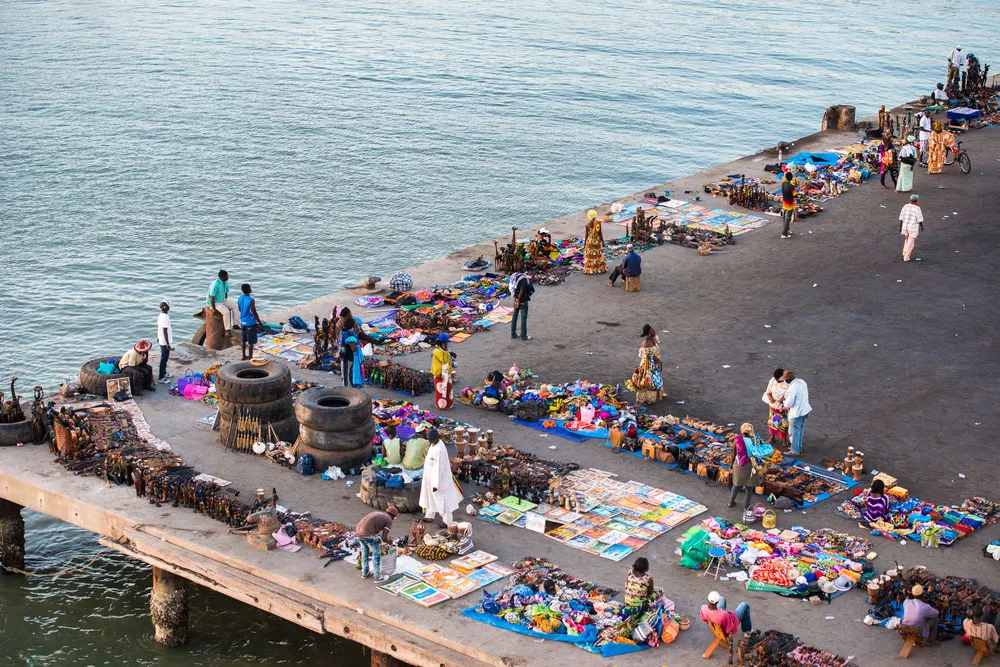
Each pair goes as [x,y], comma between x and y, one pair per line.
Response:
[925,134]
[797,402]
[164,336]
[911,223]
[955,62]
[939,95]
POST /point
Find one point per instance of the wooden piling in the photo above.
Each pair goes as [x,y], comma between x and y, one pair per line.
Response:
[11,536]
[168,606]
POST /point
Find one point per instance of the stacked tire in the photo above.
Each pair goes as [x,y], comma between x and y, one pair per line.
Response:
[260,392]
[21,432]
[96,383]
[335,427]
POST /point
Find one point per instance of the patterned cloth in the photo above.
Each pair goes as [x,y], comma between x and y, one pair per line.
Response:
[401,281]
[911,216]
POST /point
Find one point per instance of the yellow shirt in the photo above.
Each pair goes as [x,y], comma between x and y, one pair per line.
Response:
[416,452]
[392,455]
[132,358]
[440,362]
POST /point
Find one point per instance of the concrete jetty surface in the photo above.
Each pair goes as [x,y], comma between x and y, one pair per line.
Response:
[900,359]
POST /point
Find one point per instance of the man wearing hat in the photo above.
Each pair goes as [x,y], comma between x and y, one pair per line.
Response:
[629,267]
[918,614]
[135,365]
[372,530]
[728,621]
[439,491]
[911,223]
[955,62]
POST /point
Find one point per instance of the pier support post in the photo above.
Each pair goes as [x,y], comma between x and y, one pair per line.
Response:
[380,659]
[11,536]
[168,605]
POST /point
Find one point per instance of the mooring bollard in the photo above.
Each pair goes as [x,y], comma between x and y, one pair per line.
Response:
[11,536]
[168,606]
[839,117]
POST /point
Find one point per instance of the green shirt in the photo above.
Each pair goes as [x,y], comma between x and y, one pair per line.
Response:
[219,289]
[416,452]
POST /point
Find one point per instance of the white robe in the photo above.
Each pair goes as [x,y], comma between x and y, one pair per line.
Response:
[437,475]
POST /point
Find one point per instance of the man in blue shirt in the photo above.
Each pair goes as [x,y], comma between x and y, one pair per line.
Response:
[249,320]
[630,266]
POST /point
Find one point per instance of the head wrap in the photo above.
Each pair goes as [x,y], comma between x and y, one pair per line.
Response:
[591,214]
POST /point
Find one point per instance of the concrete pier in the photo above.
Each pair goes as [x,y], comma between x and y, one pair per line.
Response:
[11,536]
[900,359]
[168,607]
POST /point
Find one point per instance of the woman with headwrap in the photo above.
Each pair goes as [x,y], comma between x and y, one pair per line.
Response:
[907,158]
[937,147]
[745,475]
[443,370]
[647,379]
[593,249]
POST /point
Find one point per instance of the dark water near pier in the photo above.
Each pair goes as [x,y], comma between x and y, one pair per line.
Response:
[303,144]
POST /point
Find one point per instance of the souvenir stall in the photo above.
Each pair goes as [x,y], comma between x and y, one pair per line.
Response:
[780,649]
[953,597]
[792,562]
[590,511]
[933,525]
[431,584]
[542,601]
[689,225]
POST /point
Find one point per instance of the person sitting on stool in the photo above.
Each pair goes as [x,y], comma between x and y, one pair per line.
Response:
[728,621]
[629,267]
[918,614]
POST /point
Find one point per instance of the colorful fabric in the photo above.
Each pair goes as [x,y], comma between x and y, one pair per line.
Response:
[647,379]
[638,589]
[593,251]
[937,147]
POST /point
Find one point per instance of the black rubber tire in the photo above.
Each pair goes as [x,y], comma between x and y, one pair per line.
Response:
[351,408]
[287,430]
[407,501]
[339,441]
[244,382]
[18,432]
[964,163]
[344,459]
[94,382]
[199,336]
[271,411]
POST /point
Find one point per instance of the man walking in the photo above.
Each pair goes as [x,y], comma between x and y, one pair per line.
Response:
[521,289]
[788,203]
[164,334]
[925,135]
[911,223]
[249,320]
[218,298]
[797,402]
[372,530]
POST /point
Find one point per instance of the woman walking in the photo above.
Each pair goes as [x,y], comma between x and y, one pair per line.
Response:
[593,249]
[937,148]
[907,158]
[442,368]
[777,418]
[887,151]
[745,476]
[647,380]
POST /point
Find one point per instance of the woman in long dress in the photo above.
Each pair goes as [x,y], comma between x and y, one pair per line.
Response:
[937,147]
[593,248]
[647,380]
[442,368]
[887,151]
[907,158]
[777,418]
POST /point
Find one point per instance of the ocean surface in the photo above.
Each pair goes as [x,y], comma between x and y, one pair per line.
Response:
[302,145]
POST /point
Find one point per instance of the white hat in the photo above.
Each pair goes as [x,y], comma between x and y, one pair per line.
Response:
[714,597]
[419,428]
[543,230]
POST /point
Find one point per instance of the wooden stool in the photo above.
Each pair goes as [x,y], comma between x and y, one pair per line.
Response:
[632,283]
[982,649]
[720,638]
[911,637]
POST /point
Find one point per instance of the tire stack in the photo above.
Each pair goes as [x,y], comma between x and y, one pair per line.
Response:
[335,427]
[95,383]
[261,392]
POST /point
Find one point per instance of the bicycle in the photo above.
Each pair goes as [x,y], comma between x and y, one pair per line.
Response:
[960,155]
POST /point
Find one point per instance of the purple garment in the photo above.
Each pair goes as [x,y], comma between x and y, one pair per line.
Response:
[919,614]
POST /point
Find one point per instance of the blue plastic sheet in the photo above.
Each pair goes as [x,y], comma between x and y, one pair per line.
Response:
[589,635]
[564,432]
[818,159]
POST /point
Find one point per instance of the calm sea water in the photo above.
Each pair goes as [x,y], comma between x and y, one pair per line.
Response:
[302,144]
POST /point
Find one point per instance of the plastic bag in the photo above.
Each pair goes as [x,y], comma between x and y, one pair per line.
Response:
[333,472]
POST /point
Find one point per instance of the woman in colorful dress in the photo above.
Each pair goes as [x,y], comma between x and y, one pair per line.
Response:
[887,151]
[907,158]
[639,589]
[442,368]
[593,249]
[647,380]
[352,359]
[937,147]
[777,420]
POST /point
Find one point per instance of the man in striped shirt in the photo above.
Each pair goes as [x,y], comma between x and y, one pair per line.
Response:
[911,223]
[787,203]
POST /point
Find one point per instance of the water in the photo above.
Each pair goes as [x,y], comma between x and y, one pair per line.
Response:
[301,145]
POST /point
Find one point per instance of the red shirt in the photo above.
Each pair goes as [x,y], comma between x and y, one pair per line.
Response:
[724,619]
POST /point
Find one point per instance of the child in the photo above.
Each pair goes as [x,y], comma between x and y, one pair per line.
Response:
[249,320]
[876,504]
[639,589]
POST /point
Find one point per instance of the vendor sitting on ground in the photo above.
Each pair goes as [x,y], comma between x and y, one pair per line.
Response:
[372,530]
[542,246]
[918,614]
[391,446]
[415,450]
[639,590]
[876,504]
[629,267]
[939,94]
[496,392]
[728,621]
[135,365]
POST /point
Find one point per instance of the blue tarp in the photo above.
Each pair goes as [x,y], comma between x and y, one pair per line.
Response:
[818,159]
[563,432]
